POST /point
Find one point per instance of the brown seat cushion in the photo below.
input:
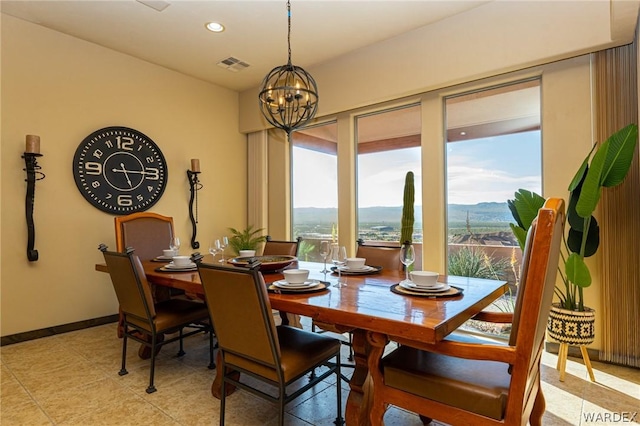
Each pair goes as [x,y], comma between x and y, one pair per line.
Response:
[174,312]
[300,351]
[477,386]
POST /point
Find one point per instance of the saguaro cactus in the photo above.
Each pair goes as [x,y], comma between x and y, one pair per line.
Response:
[406,231]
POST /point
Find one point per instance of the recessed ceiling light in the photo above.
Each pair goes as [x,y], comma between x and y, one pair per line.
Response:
[215,27]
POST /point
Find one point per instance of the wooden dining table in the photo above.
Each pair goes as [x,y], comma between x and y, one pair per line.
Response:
[366,305]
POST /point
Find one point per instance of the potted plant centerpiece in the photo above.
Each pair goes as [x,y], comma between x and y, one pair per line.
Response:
[605,166]
[245,242]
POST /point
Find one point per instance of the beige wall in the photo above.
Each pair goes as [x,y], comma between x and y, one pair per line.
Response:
[62,89]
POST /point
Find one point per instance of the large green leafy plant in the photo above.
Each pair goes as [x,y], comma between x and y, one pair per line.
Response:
[604,167]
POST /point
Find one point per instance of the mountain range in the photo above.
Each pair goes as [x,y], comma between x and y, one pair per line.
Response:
[481,212]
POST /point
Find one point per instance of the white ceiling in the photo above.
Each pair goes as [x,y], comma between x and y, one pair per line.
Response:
[256,31]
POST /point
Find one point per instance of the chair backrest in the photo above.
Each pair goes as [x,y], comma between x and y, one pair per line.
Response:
[386,256]
[148,233]
[535,293]
[130,284]
[241,313]
[282,248]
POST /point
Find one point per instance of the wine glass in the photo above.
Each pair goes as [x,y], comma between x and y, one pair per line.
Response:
[407,257]
[213,248]
[174,245]
[324,253]
[338,258]
[221,245]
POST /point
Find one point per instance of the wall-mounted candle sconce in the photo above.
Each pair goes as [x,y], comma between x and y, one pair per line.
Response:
[32,152]
[194,186]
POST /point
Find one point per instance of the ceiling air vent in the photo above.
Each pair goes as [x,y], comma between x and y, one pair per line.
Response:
[233,64]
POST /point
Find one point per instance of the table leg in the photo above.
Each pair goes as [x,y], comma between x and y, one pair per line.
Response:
[216,386]
[360,396]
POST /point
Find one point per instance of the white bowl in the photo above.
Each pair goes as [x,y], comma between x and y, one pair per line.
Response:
[170,253]
[295,276]
[181,260]
[247,253]
[424,278]
[355,262]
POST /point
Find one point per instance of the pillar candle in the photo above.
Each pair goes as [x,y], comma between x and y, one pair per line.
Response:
[33,144]
[195,165]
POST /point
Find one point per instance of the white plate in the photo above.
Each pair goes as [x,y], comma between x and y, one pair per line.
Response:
[172,265]
[163,257]
[365,268]
[285,284]
[411,286]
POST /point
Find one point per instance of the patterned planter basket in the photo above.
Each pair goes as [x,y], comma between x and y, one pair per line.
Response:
[572,327]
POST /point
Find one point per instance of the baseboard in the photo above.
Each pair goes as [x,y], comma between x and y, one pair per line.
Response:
[574,351]
[58,329]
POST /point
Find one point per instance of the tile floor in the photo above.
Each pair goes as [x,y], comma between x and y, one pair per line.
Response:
[72,379]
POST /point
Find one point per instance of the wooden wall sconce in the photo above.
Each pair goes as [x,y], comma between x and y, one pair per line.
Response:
[32,168]
[194,186]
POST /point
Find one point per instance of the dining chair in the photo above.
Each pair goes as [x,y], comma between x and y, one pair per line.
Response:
[142,317]
[283,248]
[250,342]
[380,255]
[147,232]
[464,380]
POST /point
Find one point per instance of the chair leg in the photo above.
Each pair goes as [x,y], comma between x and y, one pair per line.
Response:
[282,395]
[123,367]
[339,419]
[223,396]
[350,358]
[152,388]
[181,352]
[535,418]
[212,363]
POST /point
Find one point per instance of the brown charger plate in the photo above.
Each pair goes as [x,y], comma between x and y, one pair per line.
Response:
[453,291]
[320,287]
[174,270]
[267,263]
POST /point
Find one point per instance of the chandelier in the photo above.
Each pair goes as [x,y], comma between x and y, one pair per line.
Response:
[288,94]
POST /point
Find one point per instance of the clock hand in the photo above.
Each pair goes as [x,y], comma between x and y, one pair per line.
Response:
[131,171]
[126,175]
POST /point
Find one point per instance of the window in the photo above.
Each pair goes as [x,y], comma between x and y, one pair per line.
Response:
[493,149]
[314,178]
[388,145]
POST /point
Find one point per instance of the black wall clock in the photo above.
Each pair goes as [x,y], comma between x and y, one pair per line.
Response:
[120,170]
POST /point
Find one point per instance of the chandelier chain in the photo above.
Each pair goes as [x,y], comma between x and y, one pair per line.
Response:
[289,30]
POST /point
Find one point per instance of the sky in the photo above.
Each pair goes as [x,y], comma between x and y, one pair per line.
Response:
[481,170]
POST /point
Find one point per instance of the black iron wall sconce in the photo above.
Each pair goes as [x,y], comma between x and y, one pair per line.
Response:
[32,152]
[194,186]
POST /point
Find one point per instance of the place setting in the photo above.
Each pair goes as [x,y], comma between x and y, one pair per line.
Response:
[356,266]
[421,283]
[297,281]
[168,254]
[179,264]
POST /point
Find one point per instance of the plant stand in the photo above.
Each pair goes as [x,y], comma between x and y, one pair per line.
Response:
[572,328]
[562,360]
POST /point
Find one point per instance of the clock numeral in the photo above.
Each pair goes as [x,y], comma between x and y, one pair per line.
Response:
[150,159]
[151,173]
[150,188]
[109,144]
[124,143]
[93,168]
[125,200]
[140,198]
[97,153]
[95,184]
[108,196]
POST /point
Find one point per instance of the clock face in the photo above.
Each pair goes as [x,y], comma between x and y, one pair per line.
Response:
[120,170]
